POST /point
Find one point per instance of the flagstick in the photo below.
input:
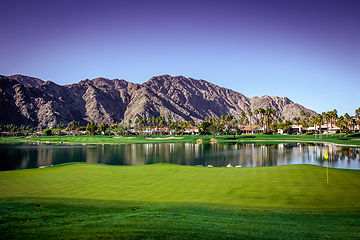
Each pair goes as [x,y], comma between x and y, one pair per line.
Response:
[327,172]
[326,156]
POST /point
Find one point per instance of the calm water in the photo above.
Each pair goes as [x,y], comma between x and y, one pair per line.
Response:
[23,156]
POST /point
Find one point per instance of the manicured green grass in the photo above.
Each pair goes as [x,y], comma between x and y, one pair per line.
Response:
[89,219]
[284,187]
[165,201]
[104,139]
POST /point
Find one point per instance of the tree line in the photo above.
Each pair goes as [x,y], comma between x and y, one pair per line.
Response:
[265,119]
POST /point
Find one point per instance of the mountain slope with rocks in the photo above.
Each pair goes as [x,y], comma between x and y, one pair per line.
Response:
[30,101]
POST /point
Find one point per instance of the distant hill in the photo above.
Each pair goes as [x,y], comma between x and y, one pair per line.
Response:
[30,101]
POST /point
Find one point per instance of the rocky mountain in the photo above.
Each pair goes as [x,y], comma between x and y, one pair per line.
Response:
[25,80]
[31,101]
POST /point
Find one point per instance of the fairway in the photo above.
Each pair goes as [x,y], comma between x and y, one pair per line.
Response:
[285,187]
[166,201]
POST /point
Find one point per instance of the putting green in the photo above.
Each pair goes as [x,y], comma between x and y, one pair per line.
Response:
[287,187]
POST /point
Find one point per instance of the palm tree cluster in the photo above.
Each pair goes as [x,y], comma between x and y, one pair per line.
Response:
[160,123]
[346,123]
[264,118]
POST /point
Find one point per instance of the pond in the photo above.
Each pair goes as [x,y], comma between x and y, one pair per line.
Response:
[24,156]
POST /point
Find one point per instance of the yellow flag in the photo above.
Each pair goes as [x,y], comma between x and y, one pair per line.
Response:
[326,156]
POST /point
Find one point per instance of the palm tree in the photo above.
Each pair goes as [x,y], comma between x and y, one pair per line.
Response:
[168,118]
[242,114]
[261,123]
[141,123]
[347,120]
[282,119]
[273,112]
[143,120]
[274,124]
[302,113]
[319,121]
[256,112]
[103,127]
[250,114]
[307,115]
[340,123]
[74,126]
[228,119]
[357,115]
[60,125]
[149,121]
[153,121]
[262,112]
[233,122]
[326,117]
[157,120]
[161,124]
[352,124]
[268,117]
[182,125]
[331,117]
[92,127]
[241,122]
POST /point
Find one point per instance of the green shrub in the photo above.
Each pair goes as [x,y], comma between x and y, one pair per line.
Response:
[47,132]
[56,132]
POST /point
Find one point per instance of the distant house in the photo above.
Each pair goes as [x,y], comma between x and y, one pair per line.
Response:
[326,129]
[192,131]
[332,129]
[295,129]
[251,129]
[357,128]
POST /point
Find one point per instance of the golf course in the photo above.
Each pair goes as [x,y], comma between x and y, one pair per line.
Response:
[169,201]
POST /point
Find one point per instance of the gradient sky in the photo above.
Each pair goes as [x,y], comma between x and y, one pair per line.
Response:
[308,51]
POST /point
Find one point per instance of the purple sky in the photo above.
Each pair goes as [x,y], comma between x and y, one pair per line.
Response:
[308,51]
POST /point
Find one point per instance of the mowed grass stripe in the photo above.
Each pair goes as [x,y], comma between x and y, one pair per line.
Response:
[292,186]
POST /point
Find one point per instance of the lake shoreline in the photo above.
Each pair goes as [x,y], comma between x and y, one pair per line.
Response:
[182,139]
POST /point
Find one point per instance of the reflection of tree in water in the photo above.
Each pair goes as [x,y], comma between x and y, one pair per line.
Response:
[220,154]
[336,154]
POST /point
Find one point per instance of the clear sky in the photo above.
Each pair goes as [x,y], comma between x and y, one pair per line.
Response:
[308,50]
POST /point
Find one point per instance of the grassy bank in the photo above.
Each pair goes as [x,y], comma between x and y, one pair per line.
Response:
[101,139]
[176,202]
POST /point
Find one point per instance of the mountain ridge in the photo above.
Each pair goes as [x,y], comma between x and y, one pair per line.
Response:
[32,101]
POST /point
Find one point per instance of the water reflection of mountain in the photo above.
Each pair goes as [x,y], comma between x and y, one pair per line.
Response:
[218,155]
